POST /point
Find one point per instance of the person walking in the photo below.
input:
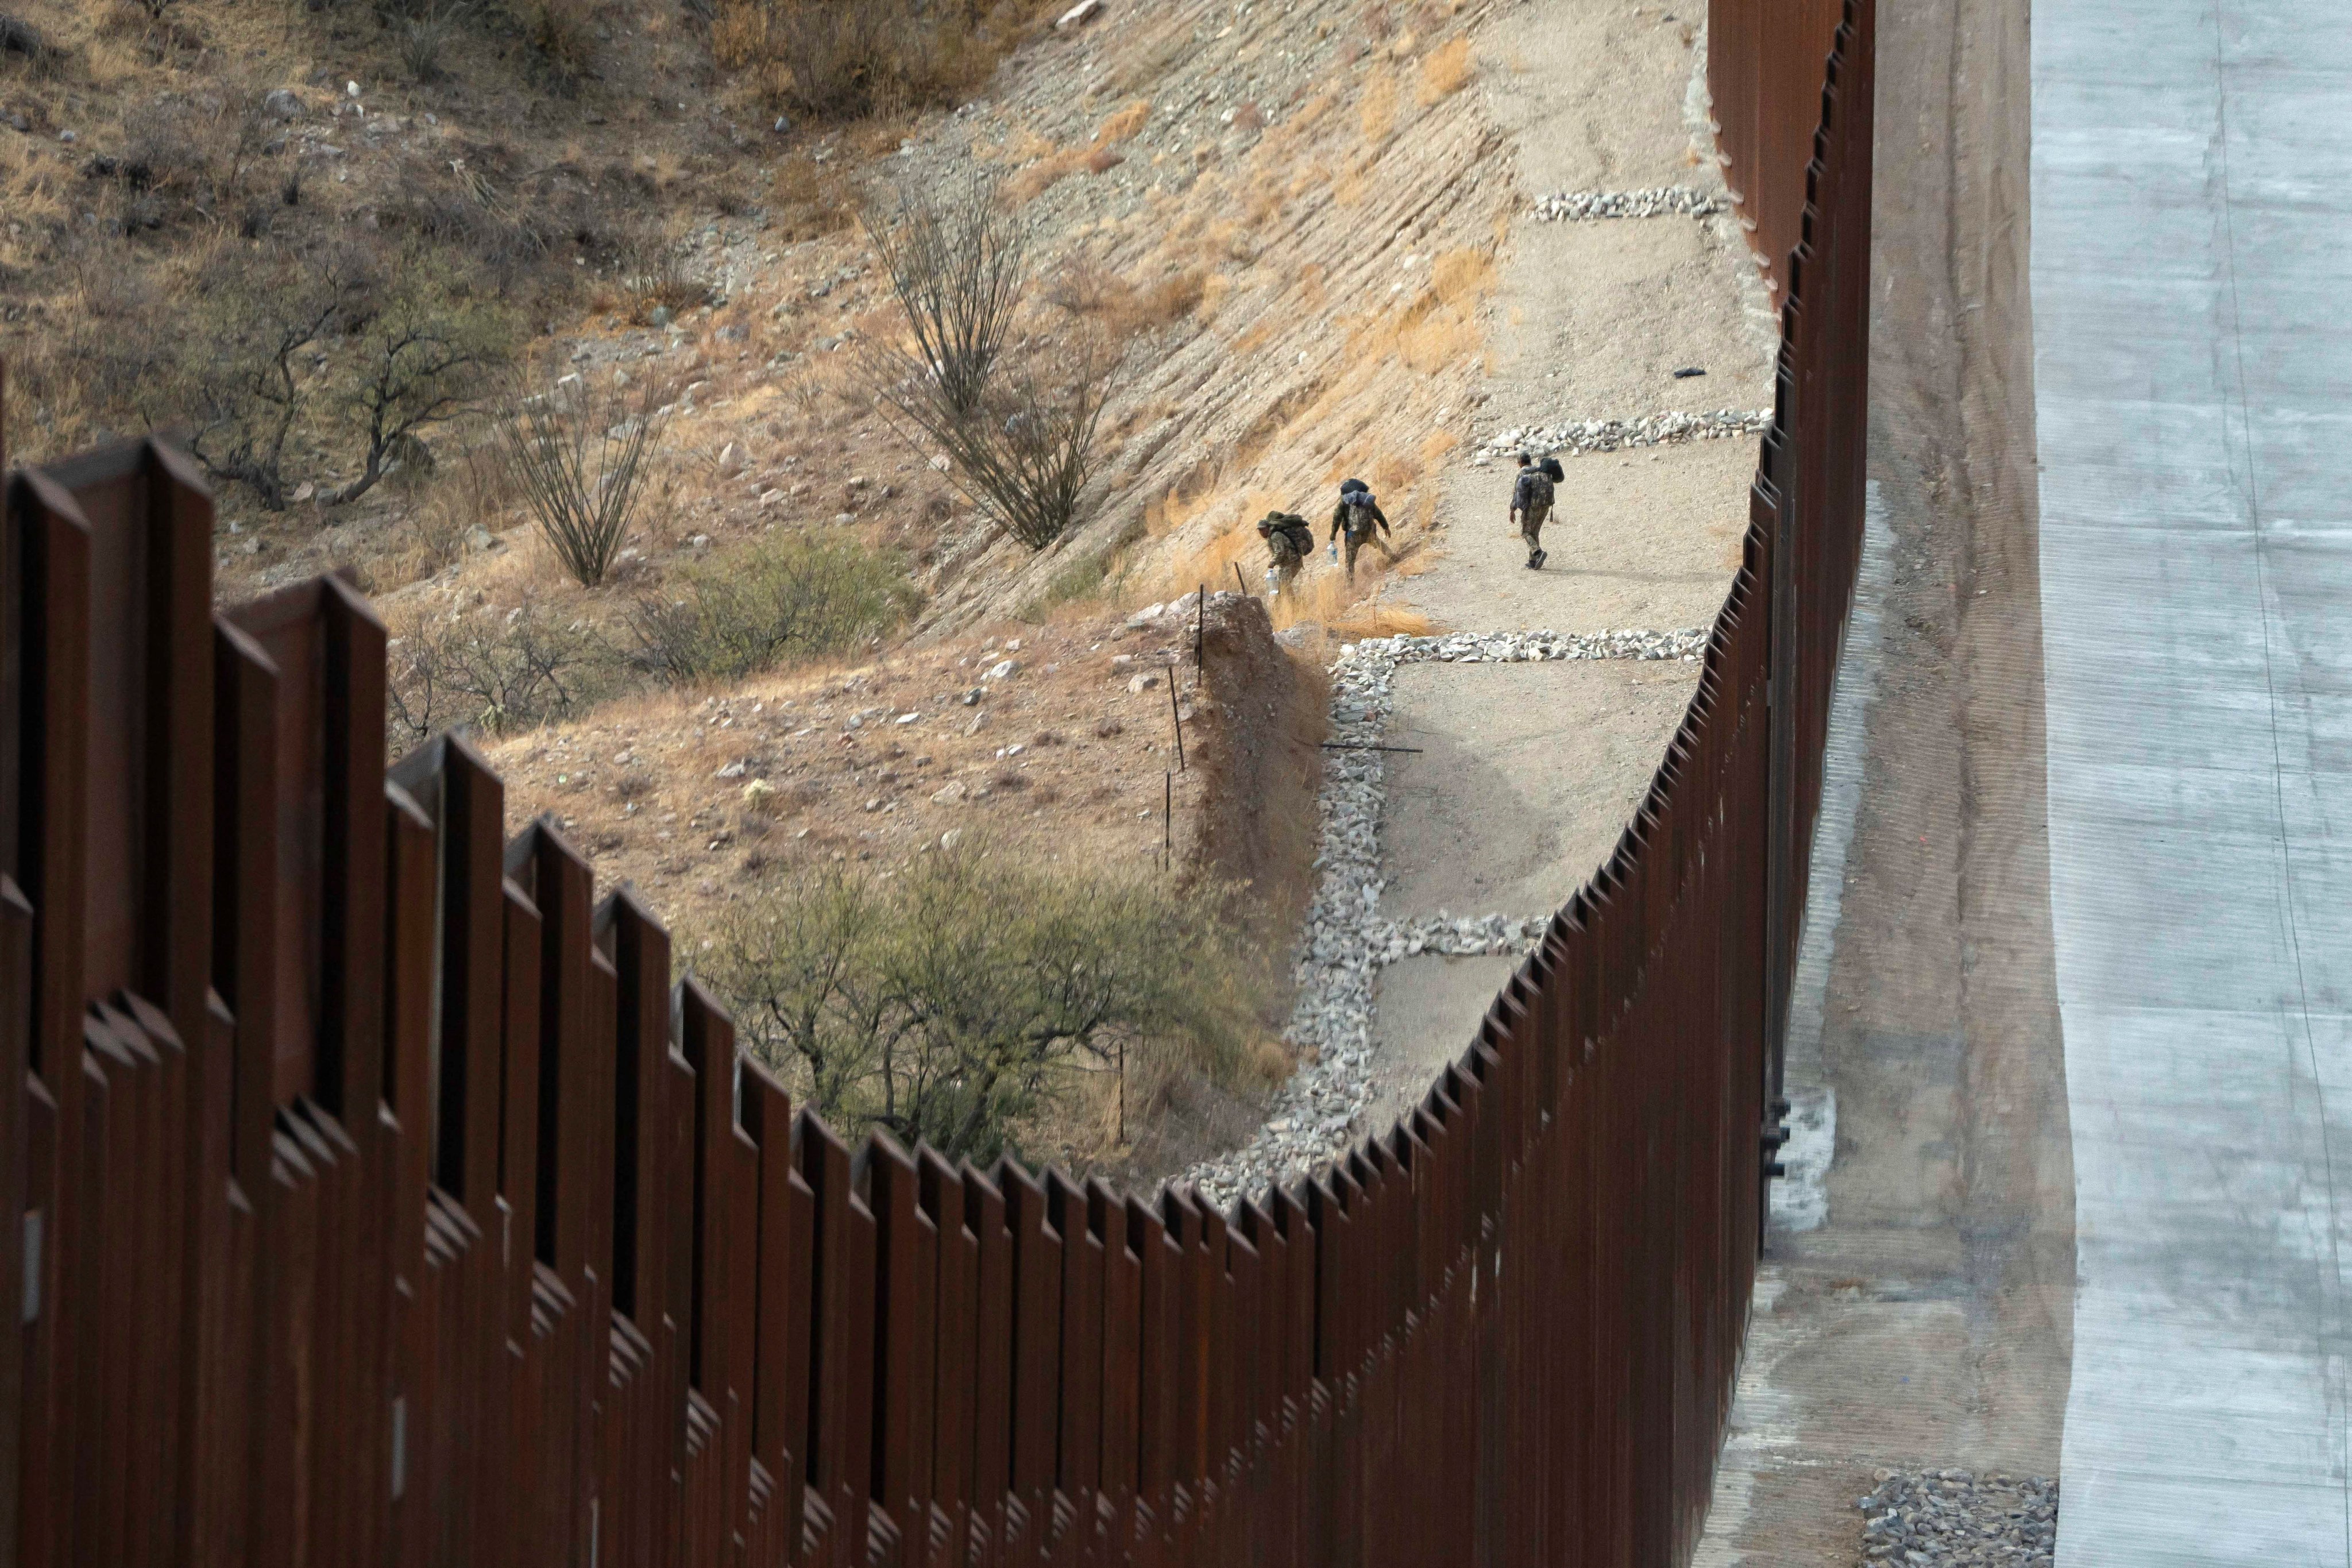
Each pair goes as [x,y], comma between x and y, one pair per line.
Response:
[1289,541]
[1531,498]
[1356,516]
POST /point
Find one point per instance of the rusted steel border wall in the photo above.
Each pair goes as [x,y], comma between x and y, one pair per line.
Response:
[1763,66]
[384,1203]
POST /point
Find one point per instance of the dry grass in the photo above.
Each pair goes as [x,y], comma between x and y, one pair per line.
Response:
[1123,125]
[1036,178]
[1445,72]
[1378,115]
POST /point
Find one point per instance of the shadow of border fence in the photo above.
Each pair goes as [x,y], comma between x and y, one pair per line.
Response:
[384,1203]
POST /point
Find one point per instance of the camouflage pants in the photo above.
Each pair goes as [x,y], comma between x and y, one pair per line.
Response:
[1356,541]
[1286,563]
[1531,521]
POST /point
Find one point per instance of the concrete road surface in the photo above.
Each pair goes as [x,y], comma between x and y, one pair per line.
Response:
[2192,268]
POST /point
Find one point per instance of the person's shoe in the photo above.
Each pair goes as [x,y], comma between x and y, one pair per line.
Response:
[1536,561]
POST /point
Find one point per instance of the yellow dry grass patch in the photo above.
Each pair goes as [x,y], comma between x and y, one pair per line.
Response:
[1124,124]
[1444,73]
[1378,112]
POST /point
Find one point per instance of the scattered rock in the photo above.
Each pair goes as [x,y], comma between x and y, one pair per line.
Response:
[949,794]
[1955,1518]
[1346,941]
[280,104]
[734,770]
[1078,13]
[1658,201]
[1142,683]
[1003,669]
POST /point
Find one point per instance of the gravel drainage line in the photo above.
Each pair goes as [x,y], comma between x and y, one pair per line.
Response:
[1347,941]
[1582,435]
[1656,201]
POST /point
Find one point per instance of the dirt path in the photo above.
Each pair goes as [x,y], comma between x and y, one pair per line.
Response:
[1928,1321]
[1527,773]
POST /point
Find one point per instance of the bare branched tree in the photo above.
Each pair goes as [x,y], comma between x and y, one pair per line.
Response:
[251,381]
[1024,455]
[501,671]
[580,458]
[427,355]
[958,257]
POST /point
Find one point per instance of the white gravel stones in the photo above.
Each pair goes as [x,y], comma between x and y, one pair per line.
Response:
[1658,201]
[1954,1519]
[1347,941]
[1618,434]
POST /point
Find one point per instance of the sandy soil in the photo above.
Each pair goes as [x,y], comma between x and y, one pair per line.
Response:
[1645,538]
[1526,775]
[1429,1009]
[1597,316]
[1930,1321]
[1527,772]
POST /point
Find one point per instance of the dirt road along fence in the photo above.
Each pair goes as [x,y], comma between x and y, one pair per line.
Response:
[384,1203]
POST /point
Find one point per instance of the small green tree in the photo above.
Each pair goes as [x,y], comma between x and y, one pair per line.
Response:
[249,381]
[426,354]
[952,1003]
[788,596]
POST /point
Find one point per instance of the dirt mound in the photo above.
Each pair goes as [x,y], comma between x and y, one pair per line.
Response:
[1259,763]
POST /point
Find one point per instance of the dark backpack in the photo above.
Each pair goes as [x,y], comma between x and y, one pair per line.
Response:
[1551,469]
[1533,489]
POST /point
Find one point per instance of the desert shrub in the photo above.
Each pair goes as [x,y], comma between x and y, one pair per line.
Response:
[423,354]
[564,34]
[579,458]
[656,274]
[955,1001]
[498,670]
[248,381]
[1024,455]
[846,58]
[784,596]
[958,259]
[424,38]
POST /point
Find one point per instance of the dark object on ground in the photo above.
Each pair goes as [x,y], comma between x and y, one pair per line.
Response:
[21,37]
[1688,370]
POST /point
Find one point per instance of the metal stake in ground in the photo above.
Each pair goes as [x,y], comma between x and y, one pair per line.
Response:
[1175,716]
[1167,818]
[1239,584]
[1200,636]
